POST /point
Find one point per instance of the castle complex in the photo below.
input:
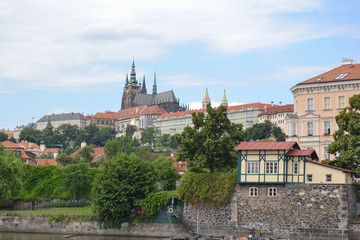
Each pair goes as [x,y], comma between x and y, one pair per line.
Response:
[135,94]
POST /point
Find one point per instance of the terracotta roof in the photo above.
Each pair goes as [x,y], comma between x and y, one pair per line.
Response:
[11,133]
[326,165]
[350,72]
[98,153]
[46,162]
[266,146]
[306,152]
[11,145]
[130,112]
[155,109]
[107,115]
[230,108]
[28,145]
[24,155]
[51,150]
[278,109]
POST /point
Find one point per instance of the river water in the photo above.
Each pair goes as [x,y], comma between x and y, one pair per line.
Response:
[44,236]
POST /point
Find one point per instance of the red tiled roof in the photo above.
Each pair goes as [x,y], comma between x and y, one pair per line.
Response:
[98,153]
[51,150]
[299,152]
[46,162]
[155,109]
[28,145]
[107,115]
[278,109]
[24,155]
[231,108]
[130,112]
[11,145]
[353,71]
[10,133]
[326,165]
[266,146]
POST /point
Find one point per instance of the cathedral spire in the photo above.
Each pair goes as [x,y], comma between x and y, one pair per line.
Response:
[143,90]
[206,100]
[154,86]
[133,80]
[224,101]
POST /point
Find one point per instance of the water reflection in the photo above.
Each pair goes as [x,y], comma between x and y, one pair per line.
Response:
[45,236]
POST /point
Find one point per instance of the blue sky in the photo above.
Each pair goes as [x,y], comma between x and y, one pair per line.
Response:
[73,56]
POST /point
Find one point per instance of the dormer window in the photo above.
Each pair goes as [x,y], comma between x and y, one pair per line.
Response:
[341,76]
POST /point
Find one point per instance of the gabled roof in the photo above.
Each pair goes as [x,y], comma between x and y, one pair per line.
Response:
[46,162]
[130,112]
[11,133]
[349,71]
[326,165]
[28,145]
[278,109]
[51,150]
[266,146]
[98,153]
[306,152]
[11,145]
[155,109]
[62,116]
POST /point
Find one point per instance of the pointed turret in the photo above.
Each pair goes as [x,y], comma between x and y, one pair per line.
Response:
[133,80]
[127,80]
[143,90]
[154,86]
[206,100]
[224,101]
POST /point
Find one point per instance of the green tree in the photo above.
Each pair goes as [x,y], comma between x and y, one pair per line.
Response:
[166,173]
[77,179]
[130,130]
[3,137]
[30,135]
[48,155]
[119,145]
[10,175]
[173,143]
[120,182]
[67,134]
[102,136]
[149,135]
[346,143]
[265,130]
[85,154]
[63,160]
[48,135]
[211,141]
[164,140]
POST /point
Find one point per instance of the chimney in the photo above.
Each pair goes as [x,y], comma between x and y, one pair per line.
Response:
[83,144]
[272,103]
[346,61]
[280,103]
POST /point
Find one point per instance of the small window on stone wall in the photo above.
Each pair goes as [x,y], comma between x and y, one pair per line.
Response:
[253,192]
[272,192]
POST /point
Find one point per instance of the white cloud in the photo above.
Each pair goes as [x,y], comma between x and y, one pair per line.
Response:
[62,44]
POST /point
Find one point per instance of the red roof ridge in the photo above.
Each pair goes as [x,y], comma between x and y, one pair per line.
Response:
[267,145]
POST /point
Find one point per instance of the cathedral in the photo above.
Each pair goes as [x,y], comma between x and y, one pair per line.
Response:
[135,94]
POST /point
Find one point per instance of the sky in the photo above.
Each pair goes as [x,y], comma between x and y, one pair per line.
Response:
[73,56]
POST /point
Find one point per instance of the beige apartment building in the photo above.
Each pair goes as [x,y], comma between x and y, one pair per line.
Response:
[316,103]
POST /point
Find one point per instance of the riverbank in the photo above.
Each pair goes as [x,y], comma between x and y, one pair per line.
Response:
[84,224]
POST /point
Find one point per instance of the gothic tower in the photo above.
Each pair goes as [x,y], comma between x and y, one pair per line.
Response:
[143,89]
[131,88]
[154,86]
[206,100]
[224,101]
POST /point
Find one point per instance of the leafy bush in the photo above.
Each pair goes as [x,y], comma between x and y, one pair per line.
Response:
[210,189]
[81,203]
[154,202]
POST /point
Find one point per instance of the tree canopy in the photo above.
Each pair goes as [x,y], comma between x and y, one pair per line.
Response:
[346,143]
[210,142]
[264,131]
[121,181]
[149,135]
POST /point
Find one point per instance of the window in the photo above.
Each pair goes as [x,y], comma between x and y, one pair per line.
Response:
[310,128]
[309,177]
[253,192]
[328,177]
[341,101]
[294,129]
[252,167]
[327,103]
[272,192]
[310,104]
[341,76]
[325,153]
[327,128]
[271,167]
[295,168]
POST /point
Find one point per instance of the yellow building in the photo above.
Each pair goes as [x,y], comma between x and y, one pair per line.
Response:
[284,162]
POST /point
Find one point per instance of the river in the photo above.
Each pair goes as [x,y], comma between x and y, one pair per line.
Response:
[45,236]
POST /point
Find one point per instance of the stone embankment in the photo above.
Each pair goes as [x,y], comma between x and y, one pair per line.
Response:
[43,223]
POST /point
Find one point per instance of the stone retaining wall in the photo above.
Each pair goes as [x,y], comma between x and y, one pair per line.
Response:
[305,211]
[14,222]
